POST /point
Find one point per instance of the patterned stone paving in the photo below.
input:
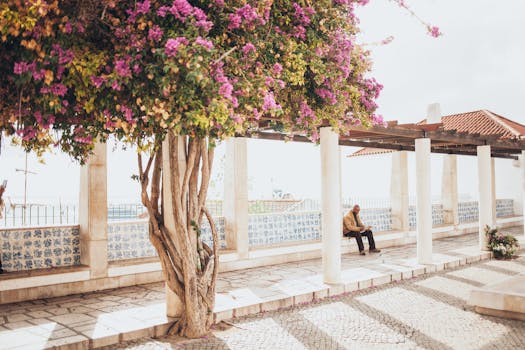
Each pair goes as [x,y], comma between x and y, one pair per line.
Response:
[426,312]
[385,316]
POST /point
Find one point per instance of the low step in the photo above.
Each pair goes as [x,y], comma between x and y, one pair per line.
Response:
[502,299]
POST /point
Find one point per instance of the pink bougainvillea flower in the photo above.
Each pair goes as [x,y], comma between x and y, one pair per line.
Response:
[172,45]
[277,69]
[248,48]
[434,31]
[155,33]
[128,113]
[235,21]
[207,44]
[226,90]
[143,7]
[122,68]
[269,102]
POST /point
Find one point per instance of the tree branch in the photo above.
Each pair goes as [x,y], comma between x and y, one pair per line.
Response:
[156,179]
[215,237]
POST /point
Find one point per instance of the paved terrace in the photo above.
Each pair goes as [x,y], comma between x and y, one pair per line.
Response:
[103,318]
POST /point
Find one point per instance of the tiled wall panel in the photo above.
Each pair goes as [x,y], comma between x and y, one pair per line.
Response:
[268,229]
[33,248]
[37,248]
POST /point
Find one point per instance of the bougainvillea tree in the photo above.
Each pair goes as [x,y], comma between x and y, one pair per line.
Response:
[173,77]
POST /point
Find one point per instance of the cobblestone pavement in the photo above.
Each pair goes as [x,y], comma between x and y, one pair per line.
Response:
[427,312]
[391,316]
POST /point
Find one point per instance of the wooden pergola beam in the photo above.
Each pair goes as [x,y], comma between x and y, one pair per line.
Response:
[413,131]
[469,151]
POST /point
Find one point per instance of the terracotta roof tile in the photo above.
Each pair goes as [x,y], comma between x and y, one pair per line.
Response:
[519,128]
[477,122]
[368,151]
[482,122]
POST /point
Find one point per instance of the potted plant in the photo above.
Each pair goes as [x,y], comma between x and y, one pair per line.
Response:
[503,246]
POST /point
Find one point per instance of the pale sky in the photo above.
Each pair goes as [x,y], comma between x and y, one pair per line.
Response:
[476,64]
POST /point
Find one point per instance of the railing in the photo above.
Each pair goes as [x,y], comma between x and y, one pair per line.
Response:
[366,202]
[38,215]
[124,212]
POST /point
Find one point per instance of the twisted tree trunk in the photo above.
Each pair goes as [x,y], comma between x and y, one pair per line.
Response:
[174,184]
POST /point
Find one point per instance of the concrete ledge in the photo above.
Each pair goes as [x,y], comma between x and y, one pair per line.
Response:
[43,277]
[57,285]
[502,299]
[46,280]
[133,269]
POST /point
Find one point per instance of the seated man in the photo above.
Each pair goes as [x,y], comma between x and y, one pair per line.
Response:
[353,227]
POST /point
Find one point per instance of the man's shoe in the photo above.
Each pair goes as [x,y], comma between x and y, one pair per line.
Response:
[374,250]
[362,252]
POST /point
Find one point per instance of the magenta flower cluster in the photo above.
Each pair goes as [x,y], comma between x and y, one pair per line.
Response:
[207,44]
[182,9]
[246,15]
[155,33]
[172,45]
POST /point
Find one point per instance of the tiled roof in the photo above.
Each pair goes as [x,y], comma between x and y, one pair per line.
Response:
[368,151]
[481,122]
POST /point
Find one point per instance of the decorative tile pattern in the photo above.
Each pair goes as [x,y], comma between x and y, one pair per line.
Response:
[33,248]
[380,219]
[267,229]
[437,214]
[130,240]
[36,248]
[468,211]
[206,231]
[504,207]
[412,219]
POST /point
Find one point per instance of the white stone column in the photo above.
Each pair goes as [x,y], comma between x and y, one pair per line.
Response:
[331,214]
[523,186]
[449,190]
[517,182]
[485,193]
[174,306]
[493,187]
[235,206]
[399,191]
[423,202]
[93,213]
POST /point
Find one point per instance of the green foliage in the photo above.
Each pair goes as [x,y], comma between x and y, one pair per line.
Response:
[82,71]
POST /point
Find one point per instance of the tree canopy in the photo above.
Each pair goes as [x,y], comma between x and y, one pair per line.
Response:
[76,71]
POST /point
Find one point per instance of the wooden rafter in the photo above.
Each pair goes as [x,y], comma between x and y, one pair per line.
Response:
[401,137]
